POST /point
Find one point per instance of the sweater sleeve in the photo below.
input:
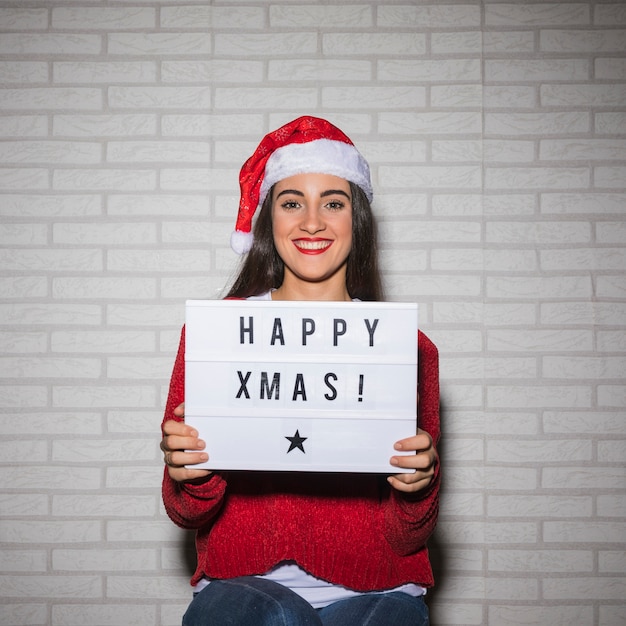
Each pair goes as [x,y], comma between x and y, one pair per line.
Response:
[410,519]
[189,505]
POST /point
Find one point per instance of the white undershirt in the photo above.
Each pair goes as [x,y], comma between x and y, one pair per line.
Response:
[264,296]
[317,592]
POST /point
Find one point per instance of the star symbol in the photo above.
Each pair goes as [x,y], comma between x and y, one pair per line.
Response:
[296,442]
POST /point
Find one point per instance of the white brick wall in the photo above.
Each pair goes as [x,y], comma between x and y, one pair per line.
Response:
[497,136]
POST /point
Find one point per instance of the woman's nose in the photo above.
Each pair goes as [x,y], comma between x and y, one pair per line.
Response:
[312,221]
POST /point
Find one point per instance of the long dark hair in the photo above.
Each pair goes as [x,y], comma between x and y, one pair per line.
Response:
[263,269]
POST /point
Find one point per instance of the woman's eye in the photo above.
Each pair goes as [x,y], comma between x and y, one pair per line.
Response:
[335,205]
[290,204]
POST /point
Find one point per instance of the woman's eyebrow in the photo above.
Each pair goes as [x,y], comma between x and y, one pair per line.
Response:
[295,192]
[332,192]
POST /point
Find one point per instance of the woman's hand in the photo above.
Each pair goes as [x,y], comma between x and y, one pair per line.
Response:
[423,462]
[178,445]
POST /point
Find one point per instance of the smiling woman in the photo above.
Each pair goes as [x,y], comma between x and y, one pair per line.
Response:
[308,145]
[312,230]
[281,548]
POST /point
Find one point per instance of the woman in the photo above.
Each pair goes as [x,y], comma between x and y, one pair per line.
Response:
[290,548]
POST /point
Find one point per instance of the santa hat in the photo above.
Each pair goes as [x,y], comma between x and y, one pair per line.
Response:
[307,145]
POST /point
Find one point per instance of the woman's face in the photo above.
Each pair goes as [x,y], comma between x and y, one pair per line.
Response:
[312,227]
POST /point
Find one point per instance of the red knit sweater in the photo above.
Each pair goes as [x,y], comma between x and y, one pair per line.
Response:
[349,529]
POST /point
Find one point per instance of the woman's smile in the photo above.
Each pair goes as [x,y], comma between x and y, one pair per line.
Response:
[312,245]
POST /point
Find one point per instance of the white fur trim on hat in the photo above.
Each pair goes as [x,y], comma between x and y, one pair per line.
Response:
[241,242]
[321,156]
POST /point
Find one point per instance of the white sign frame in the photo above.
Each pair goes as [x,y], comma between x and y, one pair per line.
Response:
[305,386]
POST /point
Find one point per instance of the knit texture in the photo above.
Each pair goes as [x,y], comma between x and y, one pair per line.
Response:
[349,529]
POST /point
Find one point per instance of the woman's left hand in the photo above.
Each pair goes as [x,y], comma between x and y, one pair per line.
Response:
[423,462]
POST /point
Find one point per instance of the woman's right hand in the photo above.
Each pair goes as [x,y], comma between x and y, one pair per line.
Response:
[178,445]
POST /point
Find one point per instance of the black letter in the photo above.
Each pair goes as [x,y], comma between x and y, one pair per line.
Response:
[338,323]
[333,395]
[277,332]
[308,328]
[243,388]
[270,390]
[298,388]
[243,330]
[371,329]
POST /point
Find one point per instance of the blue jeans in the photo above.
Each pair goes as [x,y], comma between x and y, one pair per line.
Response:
[250,601]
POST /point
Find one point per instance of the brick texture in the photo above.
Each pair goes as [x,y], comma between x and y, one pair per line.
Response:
[496,132]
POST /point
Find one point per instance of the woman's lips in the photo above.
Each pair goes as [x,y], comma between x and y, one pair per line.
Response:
[312,246]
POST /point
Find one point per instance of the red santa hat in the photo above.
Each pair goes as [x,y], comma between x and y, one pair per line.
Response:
[307,145]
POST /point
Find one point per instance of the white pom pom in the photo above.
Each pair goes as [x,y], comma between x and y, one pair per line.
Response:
[241,242]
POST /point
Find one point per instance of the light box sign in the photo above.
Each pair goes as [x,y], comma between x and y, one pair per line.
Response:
[308,386]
